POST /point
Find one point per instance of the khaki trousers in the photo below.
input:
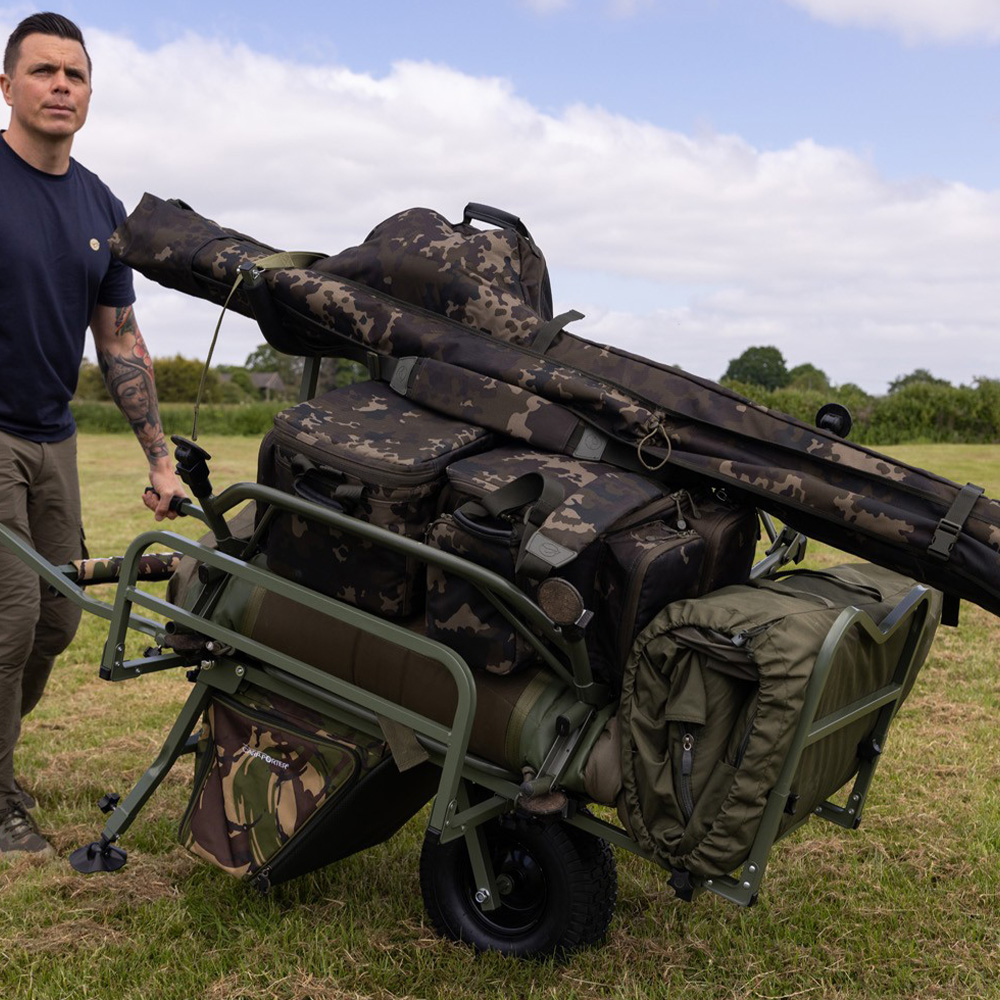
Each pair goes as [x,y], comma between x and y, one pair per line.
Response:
[40,501]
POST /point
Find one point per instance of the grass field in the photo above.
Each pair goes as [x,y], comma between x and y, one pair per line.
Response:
[908,906]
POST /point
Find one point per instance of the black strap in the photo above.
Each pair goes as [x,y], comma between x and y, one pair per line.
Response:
[950,526]
[546,333]
[494,217]
[534,492]
[323,486]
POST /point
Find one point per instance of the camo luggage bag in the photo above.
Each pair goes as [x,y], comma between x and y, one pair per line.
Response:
[367,452]
[626,543]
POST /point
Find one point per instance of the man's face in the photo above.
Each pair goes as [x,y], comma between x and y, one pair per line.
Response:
[49,89]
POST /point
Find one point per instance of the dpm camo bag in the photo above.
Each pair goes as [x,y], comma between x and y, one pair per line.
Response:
[364,451]
[280,791]
[625,543]
[711,696]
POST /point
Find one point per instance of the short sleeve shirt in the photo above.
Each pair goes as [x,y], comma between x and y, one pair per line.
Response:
[55,268]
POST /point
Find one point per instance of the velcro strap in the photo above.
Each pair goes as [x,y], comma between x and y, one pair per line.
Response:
[403,745]
[950,526]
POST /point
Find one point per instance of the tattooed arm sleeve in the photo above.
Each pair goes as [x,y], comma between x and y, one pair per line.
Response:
[128,373]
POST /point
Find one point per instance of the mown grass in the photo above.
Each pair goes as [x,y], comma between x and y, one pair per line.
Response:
[907,906]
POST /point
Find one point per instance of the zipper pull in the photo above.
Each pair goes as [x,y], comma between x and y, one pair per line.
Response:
[741,638]
[687,755]
[681,523]
[694,507]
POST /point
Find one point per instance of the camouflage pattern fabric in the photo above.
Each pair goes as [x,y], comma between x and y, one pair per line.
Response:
[648,414]
[460,616]
[369,453]
[153,566]
[596,496]
[265,766]
[631,549]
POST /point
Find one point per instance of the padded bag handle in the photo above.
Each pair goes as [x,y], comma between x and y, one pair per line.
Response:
[323,486]
[534,493]
[495,217]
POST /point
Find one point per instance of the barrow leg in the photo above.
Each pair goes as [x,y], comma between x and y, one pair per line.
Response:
[100,855]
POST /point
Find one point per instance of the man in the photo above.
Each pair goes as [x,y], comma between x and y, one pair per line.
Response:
[57,278]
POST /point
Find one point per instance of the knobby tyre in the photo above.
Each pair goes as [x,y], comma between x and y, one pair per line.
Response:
[557,886]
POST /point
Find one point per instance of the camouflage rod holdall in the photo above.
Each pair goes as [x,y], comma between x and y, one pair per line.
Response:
[474,345]
[626,544]
[363,450]
[280,791]
[711,695]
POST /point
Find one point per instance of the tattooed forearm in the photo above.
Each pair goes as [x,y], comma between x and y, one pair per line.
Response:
[128,374]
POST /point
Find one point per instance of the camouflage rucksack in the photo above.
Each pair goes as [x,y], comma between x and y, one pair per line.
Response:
[711,695]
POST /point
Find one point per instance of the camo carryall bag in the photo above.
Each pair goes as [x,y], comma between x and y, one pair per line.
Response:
[280,791]
[625,542]
[363,451]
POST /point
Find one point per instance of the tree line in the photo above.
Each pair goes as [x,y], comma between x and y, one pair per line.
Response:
[179,379]
[918,407]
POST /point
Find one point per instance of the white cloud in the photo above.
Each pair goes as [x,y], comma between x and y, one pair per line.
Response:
[688,249]
[914,20]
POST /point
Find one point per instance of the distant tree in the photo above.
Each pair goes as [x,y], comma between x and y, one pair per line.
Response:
[178,379]
[238,377]
[90,385]
[808,377]
[920,375]
[763,366]
[266,359]
[338,372]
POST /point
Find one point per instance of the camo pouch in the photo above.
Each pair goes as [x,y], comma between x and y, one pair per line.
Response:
[363,451]
[697,542]
[274,785]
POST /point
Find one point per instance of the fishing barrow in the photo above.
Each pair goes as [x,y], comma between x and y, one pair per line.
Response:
[318,727]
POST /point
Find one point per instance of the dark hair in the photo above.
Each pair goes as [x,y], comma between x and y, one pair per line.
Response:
[45,23]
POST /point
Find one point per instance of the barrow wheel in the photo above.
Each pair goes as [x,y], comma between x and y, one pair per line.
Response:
[557,888]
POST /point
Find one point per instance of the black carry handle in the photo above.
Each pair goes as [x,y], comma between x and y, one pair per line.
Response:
[532,496]
[498,536]
[494,217]
[315,489]
[324,486]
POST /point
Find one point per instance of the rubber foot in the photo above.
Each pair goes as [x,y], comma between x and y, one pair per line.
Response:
[98,857]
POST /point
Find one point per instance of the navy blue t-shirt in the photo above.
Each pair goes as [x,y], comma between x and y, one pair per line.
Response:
[55,268]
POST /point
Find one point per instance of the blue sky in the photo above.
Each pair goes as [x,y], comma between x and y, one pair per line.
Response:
[762,69]
[703,176]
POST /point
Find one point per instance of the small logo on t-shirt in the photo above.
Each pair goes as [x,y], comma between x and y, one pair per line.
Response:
[95,244]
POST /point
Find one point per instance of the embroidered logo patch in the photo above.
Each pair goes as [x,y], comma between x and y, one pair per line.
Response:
[95,244]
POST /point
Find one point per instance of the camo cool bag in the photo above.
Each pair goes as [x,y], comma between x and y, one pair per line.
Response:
[280,791]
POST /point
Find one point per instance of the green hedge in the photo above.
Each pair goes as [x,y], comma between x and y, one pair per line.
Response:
[253,419]
[922,412]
